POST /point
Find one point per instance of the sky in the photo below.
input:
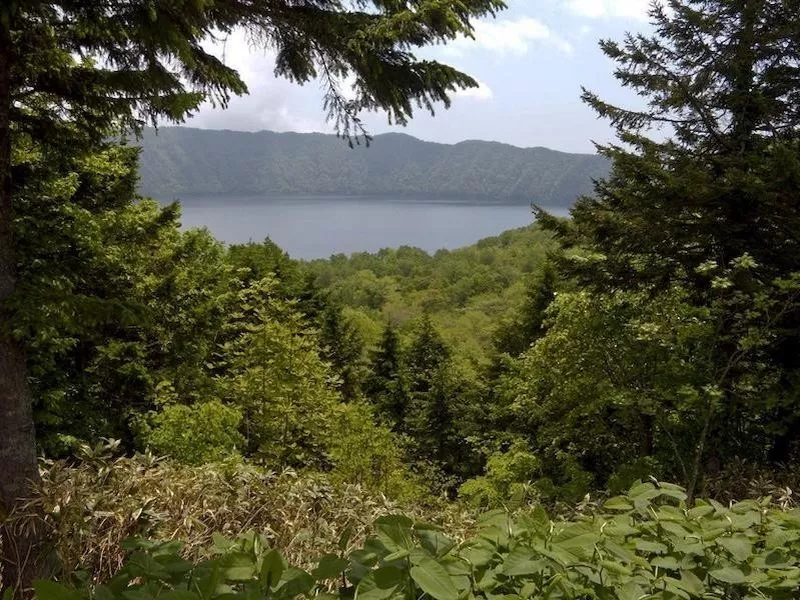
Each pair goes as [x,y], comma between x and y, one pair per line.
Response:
[531,61]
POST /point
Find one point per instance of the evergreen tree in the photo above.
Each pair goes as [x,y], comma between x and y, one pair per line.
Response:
[430,419]
[722,76]
[386,387]
[714,206]
[71,70]
[267,259]
[517,334]
[343,348]
[427,352]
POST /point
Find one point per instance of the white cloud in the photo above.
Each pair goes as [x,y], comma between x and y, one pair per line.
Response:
[620,9]
[271,101]
[482,93]
[509,36]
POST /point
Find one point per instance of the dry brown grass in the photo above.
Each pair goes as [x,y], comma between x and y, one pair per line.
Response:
[91,506]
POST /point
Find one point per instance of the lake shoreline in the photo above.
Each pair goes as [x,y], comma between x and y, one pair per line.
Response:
[364,198]
[312,227]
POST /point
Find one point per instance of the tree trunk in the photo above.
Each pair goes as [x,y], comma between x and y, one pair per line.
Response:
[18,467]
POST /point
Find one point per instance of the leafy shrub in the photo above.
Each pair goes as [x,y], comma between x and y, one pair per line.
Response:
[92,504]
[197,434]
[508,480]
[370,454]
[646,544]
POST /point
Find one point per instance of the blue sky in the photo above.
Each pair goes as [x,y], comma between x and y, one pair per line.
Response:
[531,61]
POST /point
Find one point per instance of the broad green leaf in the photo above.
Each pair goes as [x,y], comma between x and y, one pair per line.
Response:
[432,577]
[379,584]
[528,590]
[435,542]
[739,546]
[698,512]
[673,586]
[653,547]
[330,566]
[728,575]
[394,531]
[639,489]
[691,583]
[522,561]
[50,590]
[399,555]
[478,554]
[665,562]
[630,591]
[615,567]
[618,503]
[674,529]
[272,566]
[221,544]
[294,583]
[237,566]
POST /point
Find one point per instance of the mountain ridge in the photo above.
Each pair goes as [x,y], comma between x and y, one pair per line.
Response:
[181,161]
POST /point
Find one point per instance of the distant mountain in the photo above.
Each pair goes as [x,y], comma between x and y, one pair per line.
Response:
[181,161]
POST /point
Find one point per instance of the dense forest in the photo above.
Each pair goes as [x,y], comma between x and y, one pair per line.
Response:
[602,406]
[179,161]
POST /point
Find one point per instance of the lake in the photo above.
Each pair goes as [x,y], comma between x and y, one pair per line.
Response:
[318,226]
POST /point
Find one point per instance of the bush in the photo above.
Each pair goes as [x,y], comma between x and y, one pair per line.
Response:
[370,454]
[645,544]
[92,504]
[197,434]
[508,481]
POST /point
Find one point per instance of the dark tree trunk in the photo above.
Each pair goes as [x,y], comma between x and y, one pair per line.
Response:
[18,468]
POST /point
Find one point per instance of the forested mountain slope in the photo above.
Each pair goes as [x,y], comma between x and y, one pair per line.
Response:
[182,161]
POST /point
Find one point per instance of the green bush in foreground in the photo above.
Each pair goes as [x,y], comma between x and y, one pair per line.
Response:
[644,544]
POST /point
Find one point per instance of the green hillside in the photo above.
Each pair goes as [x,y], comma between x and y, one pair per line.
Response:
[182,161]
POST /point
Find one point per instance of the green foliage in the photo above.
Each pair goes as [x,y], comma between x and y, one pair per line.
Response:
[201,433]
[615,378]
[276,377]
[706,215]
[508,480]
[116,306]
[465,292]
[387,387]
[526,325]
[431,418]
[179,162]
[645,543]
[79,69]
[343,348]
[369,454]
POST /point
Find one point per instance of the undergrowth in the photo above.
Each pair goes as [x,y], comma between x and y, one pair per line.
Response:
[90,506]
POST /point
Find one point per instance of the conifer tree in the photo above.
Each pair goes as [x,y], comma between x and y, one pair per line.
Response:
[722,79]
[386,385]
[527,325]
[343,348]
[710,204]
[430,418]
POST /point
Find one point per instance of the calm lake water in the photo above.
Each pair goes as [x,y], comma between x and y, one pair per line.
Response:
[316,227]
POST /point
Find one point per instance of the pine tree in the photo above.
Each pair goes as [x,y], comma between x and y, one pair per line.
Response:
[343,348]
[73,71]
[517,334]
[430,419]
[713,206]
[722,77]
[386,385]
